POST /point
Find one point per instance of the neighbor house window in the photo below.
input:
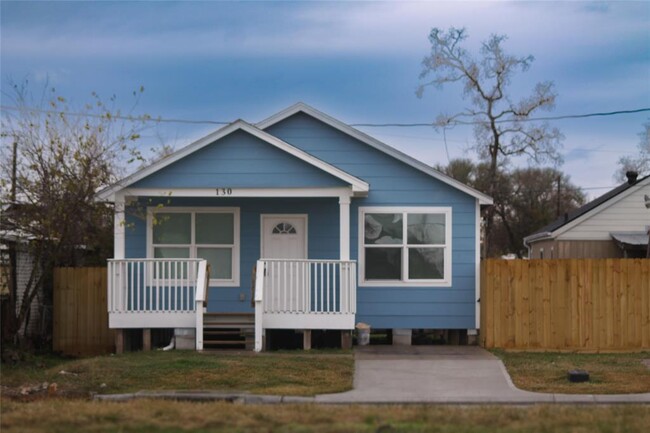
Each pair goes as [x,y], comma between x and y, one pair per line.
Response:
[211,234]
[405,246]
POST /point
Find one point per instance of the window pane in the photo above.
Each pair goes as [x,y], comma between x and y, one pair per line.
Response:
[172,228]
[383,263]
[171,253]
[169,270]
[426,228]
[215,228]
[426,263]
[383,228]
[220,261]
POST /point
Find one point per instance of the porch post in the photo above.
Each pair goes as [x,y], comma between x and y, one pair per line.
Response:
[344,224]
[119,229]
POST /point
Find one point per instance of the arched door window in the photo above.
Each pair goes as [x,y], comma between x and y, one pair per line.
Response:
[284,229]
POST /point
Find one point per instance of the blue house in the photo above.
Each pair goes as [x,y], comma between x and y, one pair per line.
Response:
[299,222]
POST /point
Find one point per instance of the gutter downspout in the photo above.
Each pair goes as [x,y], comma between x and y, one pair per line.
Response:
[170,346]
[534,238]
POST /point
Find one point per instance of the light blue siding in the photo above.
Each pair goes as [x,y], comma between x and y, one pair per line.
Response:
[239,160]
[322,225]
[393,183]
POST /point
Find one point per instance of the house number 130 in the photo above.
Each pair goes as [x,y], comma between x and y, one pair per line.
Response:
[224,191]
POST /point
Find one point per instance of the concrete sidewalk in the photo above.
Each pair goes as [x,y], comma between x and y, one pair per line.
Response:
[445,374]
[410,374]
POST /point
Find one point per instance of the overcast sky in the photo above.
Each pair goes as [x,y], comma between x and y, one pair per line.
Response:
[357,61]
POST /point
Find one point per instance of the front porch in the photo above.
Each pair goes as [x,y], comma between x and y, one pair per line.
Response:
[288,294]
[167,239]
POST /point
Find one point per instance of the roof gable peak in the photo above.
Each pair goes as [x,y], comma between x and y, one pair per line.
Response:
[358,185]
[372,142]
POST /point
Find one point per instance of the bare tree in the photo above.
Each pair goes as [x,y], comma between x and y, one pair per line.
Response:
[54,159]
[503,126]
[641,161]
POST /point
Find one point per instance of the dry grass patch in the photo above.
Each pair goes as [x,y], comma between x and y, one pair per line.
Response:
[611,373]
[55,416]
[297,373]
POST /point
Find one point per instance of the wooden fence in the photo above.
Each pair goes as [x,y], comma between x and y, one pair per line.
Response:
[569,304]
[81,313]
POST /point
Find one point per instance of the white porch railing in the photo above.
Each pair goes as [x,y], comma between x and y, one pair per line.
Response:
[304,294]
[156,293]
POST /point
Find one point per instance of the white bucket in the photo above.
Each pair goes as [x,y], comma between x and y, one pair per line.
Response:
[363,337]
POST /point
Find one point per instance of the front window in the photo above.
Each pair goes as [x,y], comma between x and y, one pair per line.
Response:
[211,234]
[405,246]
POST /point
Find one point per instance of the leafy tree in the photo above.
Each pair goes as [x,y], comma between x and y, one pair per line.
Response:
[537,197]
[53,162]
[641,161]
[503,126]
[526,200]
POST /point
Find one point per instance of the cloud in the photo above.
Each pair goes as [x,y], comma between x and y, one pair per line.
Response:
[312,29]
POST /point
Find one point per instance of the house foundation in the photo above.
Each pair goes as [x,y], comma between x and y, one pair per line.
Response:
[185,338]
[402,337]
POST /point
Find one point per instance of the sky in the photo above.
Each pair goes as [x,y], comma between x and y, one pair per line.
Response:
[357,61]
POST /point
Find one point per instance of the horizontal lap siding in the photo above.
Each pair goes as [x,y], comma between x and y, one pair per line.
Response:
[393,183]
[628,214]
[239,160]
[323,237]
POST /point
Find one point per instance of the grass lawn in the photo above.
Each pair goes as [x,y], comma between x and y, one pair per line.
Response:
[295,373]
[53,416]
[611,373]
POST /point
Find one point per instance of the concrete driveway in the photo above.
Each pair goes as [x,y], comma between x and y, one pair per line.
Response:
[444,374]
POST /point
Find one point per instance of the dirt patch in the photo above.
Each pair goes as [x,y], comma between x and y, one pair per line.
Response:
[646,362]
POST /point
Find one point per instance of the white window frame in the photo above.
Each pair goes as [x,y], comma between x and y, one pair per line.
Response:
[232,282]
[405,281]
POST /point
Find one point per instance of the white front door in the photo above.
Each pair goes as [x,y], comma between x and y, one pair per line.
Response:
[284,237]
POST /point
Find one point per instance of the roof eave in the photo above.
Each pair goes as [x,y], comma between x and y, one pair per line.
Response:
[538,237]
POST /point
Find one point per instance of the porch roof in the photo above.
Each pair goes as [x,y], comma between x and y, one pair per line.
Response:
[358,187]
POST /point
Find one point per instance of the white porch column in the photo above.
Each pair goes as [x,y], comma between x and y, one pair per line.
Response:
[344,224]
[119,229]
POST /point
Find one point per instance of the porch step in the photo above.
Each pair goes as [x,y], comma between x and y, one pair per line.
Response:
[234,319]
[228,330]
[223,343]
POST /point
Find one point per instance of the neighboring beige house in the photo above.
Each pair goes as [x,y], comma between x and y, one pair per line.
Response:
[614,225]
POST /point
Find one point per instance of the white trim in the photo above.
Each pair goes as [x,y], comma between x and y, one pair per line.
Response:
[373,142]
[193,246]
[446,282]
[237,192]
[152,319]
[258,297]
[309,321]
[344,227]
[119,228]
[477,266]
[585,216]
[358,185]
[302,216]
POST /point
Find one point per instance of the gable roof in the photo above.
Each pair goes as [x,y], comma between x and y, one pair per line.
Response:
[373,142]
[358,186]
[573,218]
